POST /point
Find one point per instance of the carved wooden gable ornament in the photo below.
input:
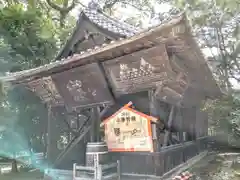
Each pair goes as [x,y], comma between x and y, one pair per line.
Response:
[128,130]
[83,86]
[139,71]
[46,90]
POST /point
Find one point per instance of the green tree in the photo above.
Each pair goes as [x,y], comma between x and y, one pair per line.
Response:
[28,38]
[224,118]
[216,25]
[29,34]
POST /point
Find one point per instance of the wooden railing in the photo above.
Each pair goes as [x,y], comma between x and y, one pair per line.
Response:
[159,163]
[53,174]
[100,172]
[34,159]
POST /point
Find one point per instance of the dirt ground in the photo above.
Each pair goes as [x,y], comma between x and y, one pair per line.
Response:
[22,176]
[216,167]
[211,167]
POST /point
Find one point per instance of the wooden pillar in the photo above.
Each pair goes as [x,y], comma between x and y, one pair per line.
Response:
[193,123]
[153,108]
[95,125]
[179,122]
[169,124]
[189,115]
[52,150]
[205,121]
[199,126]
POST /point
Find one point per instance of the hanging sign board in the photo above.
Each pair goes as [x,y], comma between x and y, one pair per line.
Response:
[129,130]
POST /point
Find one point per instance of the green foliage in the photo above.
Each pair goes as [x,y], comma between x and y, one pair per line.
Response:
[224,117]
[29,34]
[28,38]
[216,24]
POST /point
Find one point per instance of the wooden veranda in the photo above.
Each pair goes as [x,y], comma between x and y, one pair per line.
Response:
[161,70]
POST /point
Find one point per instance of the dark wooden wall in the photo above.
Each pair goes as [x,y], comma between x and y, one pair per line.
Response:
[58,124]
[190,120]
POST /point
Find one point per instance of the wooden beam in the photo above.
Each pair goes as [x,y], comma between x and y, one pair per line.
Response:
[168,95]
[170,120]
[103,112]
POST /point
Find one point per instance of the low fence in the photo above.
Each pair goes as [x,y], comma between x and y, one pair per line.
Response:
[100,172]
[34,159]
[53,174]
[135,164]
[159,163]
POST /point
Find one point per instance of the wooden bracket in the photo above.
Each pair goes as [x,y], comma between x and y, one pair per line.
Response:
[160,87]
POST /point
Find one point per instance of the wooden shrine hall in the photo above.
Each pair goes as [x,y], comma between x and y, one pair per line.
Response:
[151,83]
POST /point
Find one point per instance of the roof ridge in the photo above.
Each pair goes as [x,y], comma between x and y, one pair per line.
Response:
[118,23]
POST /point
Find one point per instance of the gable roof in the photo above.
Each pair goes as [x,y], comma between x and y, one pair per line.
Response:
[102,22]
[175,34]
[127,106]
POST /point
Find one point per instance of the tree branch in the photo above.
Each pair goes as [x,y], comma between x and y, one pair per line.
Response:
[54,6]
[61,9]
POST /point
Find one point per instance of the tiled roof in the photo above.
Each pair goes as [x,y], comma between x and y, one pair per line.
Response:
[110,24]
[103,21]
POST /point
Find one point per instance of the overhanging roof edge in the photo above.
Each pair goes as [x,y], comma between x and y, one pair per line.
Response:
[106,47]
